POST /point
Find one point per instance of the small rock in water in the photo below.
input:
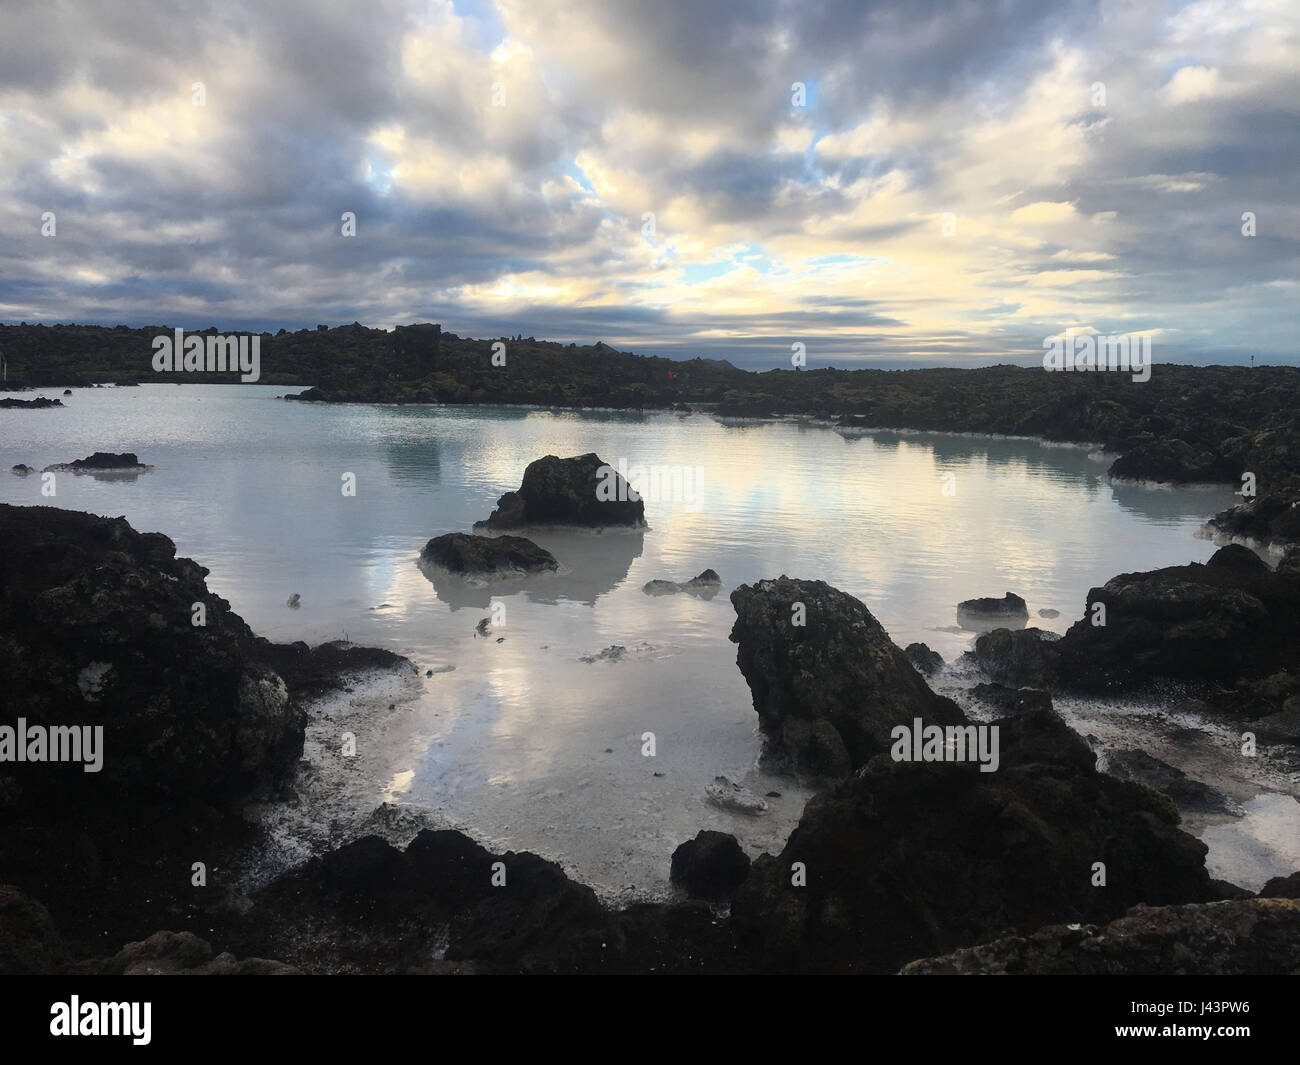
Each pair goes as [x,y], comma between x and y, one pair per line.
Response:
[1048,612]
[482,627]
[727,793]
[501,639]
[613,653]
[1010,605]
[705,586]
[294,601]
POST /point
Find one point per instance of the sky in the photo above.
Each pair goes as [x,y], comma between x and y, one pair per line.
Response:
[887,184]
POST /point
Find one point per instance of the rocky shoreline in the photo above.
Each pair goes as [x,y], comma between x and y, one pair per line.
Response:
[132,868]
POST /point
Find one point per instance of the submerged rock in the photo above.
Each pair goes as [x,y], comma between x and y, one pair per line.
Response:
[1191,795]
[613,653]
[710,866]
[1010,605]
[1216,938]
[914,859]
[827,681]
[583,491]
[726,793]
[705,586]
[1010,701]
[488,555]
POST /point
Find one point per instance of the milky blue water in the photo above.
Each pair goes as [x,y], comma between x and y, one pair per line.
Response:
[522,742]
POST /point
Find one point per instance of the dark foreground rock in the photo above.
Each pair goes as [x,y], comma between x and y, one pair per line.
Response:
[1218,938]
[1282,887]
[911,860]
[29,941]
[97,632]
[710,866]
[477,556]
[177,954]
[30,944]
[105,461]
[923,658]
[583,491]
[97,629]
[1010,605]
[447,904]
[827,681]
[1019,657]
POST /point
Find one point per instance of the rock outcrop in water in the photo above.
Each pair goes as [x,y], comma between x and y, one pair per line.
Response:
[827,681]
[102,461]
[1010,605]
[1227,620]
[912,859]
[1272,516]
[40,403]
[1259,936]
[584,491]
[483,556]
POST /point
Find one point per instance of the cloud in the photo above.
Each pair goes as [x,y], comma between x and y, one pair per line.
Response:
[639,173]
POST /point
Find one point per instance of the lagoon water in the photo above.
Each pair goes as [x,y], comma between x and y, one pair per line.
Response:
[522,743]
